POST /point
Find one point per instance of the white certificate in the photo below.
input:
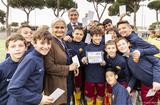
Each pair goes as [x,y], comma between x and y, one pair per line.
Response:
[75,60]
[108,37]
[95,57]
[150,93]
[56,94]
[122,9]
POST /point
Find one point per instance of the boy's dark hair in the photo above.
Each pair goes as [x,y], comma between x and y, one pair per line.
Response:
[115,30]
[122,22]
[42,35]
[112,69]
[106,21]
[96,30]
[110,42]
[15,37]
[78,28]
[23,26]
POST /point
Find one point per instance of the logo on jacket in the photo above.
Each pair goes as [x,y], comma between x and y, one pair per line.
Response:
[80,49]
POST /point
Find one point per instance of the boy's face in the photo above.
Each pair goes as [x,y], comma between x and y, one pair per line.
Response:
[113,35]
[16,49]
[124,30]
[78,35]
[111,78]
[96,39]
[42,46]
[111,50]
[108,26]
[73,17]
[27,34]
[123,46]
[59,29]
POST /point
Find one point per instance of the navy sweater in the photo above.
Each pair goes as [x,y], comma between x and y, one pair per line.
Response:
[147,70]
[121,95]
[26,85]
[144,47]
[7,69]
[94,72]
[120,63]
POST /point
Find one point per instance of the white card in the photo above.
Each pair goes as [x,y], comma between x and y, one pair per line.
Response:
[122,10]
[56,94]
[75,60]
[84,22]
[95,57]
[90,15]
[150,93]
[108,37]
[88,39]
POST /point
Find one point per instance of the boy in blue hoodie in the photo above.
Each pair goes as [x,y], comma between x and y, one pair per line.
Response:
[120,95]
[16,47]
[26,85]
[143,47]
[146,70]
[94,72]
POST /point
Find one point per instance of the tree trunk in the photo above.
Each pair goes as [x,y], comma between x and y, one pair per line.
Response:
[157,20]
[7,16]
[7,24]
[27,18]
[58,4]
[134,19]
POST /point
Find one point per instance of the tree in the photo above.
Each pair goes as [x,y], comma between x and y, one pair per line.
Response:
[97,4]
[156,6]
[131,6]
[2,17]
[60,5]
[14,24]
[27,5]
[7,4]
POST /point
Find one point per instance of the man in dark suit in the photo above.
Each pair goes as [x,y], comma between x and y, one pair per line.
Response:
[73,17]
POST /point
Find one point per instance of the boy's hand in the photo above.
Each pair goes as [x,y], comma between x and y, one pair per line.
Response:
[84,60]
[129,89]
[73,66]
[76,72]
[67,38]
[46,100]
[103,63]
[136,55]
[156,86]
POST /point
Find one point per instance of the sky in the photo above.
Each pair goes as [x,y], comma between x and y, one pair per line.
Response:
[145,16]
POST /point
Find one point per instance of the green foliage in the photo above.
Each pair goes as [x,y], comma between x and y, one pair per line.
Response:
[154,25]
[2,17]
[131,6]
[64,4]
[27,3]
[14,24]
[101,1]
[154,5]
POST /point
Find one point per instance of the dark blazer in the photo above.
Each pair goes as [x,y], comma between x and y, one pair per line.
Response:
[70,29]
[56,71]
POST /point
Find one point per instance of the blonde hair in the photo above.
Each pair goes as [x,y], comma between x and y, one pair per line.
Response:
[58,20]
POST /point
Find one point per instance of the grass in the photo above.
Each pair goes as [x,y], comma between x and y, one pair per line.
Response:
[2,49]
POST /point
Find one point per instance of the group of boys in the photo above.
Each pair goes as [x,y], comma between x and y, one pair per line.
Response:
[127,55]
[125,60]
